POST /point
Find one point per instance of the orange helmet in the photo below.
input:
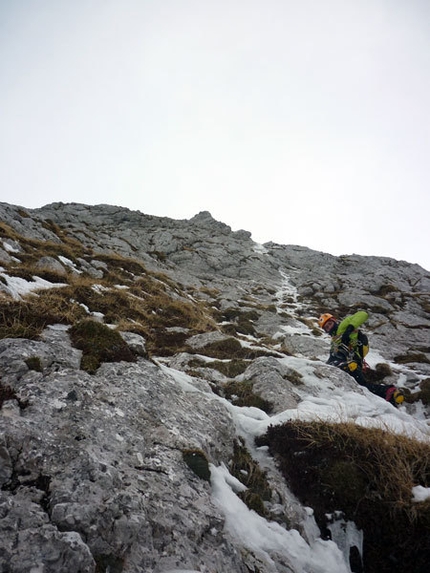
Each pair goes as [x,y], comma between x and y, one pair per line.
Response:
[324,318]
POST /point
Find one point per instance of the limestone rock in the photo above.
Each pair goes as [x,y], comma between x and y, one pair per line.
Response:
[51,264]
[92,472]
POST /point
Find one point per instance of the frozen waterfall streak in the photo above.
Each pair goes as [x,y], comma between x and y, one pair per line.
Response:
[287,294]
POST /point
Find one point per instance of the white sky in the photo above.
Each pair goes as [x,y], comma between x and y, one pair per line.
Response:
[305,122]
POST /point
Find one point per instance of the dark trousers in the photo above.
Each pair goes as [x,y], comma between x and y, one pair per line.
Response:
[357,374]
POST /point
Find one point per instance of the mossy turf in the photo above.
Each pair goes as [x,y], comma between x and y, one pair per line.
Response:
[99,344]
[198,462]
[242,394]
[247,471]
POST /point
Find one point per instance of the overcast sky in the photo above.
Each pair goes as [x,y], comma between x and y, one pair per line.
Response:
[304,122]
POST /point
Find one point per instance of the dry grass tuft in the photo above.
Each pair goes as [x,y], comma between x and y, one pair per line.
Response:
[412,357]
[368,474]
[28,318]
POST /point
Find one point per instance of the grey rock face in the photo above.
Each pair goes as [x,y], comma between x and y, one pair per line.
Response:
[92,471]
[274,382]
[51,264]
[98,460]
[136,343]
[4,256]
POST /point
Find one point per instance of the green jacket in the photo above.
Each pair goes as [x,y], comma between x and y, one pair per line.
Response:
[355,320]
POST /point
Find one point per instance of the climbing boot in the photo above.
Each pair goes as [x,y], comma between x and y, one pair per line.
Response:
[394,396]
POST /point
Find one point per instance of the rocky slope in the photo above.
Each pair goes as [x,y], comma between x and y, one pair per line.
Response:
[105,446]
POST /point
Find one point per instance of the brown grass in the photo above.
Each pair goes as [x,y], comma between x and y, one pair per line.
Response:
[411,357]
[368,474]
[153,304]
[28,318]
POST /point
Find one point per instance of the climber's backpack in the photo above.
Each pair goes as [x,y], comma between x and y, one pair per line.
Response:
[362,344]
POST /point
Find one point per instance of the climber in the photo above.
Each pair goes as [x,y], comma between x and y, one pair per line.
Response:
[348,348]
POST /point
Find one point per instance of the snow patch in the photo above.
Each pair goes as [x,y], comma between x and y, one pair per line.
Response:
[261,249]
[10,248]
[69,264]
[264,537]
[17,287]
[420,493]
